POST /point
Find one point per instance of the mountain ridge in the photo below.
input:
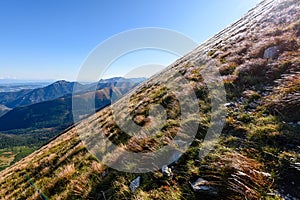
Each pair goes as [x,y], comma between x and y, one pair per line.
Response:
[55,90]
[39,122]
[50,92]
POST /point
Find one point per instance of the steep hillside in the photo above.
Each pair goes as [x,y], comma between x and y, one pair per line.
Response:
[29,127]
[7,97]
[257,155]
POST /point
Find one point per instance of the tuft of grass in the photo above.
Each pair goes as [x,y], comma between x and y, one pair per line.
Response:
[67,172]
[228,68]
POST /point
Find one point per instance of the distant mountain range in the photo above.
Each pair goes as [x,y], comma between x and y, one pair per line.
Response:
[49,109]
[57,112]
[55,90]
[47,93]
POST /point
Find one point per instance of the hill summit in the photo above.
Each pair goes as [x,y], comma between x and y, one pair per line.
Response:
[257,155]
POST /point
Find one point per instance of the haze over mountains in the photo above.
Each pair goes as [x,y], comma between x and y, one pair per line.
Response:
[13,85]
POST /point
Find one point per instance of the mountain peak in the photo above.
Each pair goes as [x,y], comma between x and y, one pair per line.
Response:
[61,82]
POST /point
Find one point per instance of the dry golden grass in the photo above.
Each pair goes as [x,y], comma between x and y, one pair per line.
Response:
[97,167]
[285,97]
[67,172]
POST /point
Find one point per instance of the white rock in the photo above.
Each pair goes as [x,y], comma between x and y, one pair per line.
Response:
[135,184]
[166,171]
[201,185]
[230,105]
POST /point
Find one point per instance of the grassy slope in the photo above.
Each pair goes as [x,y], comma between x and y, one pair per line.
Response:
[45,121]
[40,122]
[258,147]
[12,155]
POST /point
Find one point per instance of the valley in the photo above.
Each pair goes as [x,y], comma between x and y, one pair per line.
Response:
[35,118]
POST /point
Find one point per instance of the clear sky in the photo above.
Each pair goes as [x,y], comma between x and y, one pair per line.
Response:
[50,39]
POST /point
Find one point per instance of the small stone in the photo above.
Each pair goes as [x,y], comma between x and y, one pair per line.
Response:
[166,171]
[202,185]
[230,105]
[272,52]
[241,100]
[252,105]
[200,181]
[104,173]
[135,184]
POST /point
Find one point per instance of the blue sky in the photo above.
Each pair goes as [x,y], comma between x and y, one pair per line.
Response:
[51,39]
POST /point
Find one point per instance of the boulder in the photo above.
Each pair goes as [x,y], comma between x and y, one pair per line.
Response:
[272,52]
